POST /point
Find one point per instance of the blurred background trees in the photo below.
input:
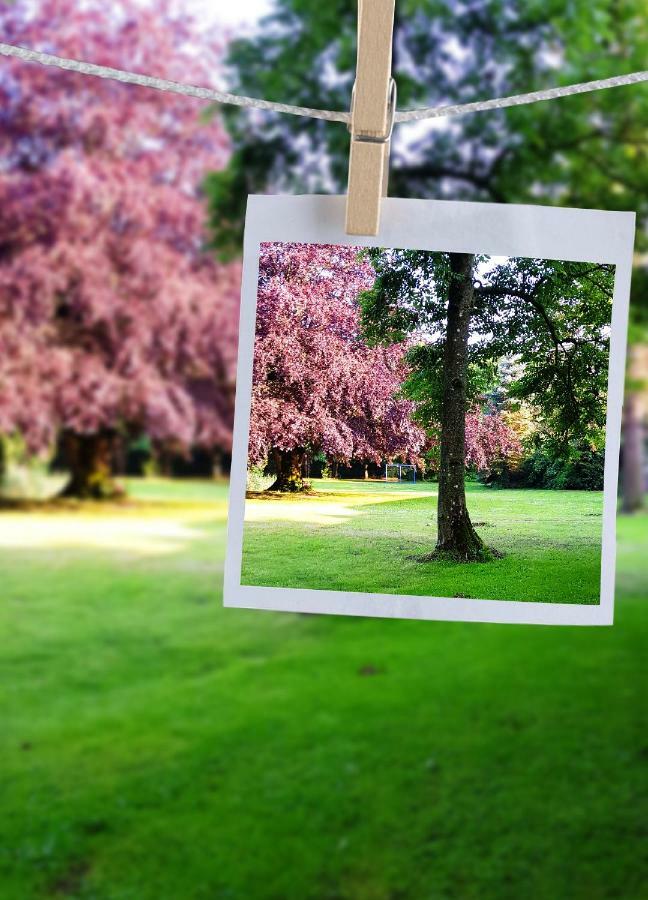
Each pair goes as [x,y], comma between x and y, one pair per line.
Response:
[446,54]
[118,325]
[115,321]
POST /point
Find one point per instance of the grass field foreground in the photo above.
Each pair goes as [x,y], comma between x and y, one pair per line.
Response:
[155,745]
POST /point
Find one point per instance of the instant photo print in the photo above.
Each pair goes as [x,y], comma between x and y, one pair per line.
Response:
[428,421]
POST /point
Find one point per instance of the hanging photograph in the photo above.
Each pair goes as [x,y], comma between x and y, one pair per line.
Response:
[427,421]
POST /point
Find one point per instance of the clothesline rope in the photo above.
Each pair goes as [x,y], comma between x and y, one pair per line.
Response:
[214,96]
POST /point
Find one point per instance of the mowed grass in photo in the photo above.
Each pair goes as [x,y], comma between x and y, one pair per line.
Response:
[369,537]
[155,745]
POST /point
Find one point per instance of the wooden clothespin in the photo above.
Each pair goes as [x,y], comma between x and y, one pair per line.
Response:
[372,116]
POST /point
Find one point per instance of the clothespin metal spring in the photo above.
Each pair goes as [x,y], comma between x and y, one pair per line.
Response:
[366,138]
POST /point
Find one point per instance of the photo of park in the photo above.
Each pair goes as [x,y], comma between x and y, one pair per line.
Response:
[428,423]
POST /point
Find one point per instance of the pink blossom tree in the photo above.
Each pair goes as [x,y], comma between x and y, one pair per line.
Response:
[114,318]
[316,383]
[490,439]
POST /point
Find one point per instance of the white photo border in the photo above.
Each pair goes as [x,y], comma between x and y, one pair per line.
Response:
[579,235]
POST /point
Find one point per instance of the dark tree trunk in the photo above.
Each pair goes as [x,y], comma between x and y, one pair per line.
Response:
[217,464]
[457,539]
[288,466]
[119,455]
[633,457]
[4,462]
[89,458]
[163,460]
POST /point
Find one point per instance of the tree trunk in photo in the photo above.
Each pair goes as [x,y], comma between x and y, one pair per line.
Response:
[633,457]
[366,471]
[288,469]
[457,538]
[89,458]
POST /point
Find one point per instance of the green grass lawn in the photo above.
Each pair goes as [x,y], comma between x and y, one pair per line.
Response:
[366,536]
[155,746]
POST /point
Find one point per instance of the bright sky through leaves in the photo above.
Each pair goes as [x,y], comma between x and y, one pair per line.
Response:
[243,12]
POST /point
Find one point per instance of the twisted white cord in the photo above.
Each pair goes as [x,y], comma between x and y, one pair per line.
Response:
[410,115]
[414,115]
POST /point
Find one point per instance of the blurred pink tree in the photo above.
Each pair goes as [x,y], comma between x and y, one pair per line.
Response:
[317,385]
[114,318]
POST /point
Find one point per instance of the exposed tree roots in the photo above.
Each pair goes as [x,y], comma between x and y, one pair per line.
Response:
[480,554]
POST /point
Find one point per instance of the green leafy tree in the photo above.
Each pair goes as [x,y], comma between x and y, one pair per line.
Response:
[588,150]
[553,316]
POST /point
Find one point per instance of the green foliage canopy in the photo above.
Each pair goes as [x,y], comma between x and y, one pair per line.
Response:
[588,150]
[550,317]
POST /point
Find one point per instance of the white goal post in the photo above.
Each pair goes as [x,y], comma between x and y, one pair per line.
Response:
[400,472]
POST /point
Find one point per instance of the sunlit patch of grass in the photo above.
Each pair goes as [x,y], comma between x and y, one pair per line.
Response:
[328,507]
[154,518]
[141,534]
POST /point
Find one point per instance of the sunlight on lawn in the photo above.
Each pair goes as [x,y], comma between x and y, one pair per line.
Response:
[146,536]
[322,510]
